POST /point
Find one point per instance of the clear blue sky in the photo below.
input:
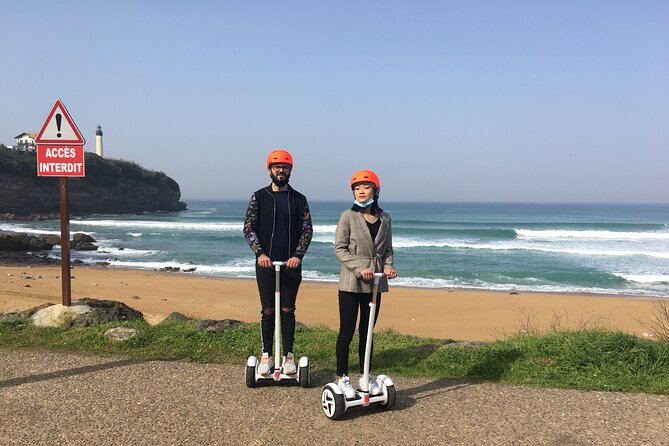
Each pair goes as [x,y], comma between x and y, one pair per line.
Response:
[452,101]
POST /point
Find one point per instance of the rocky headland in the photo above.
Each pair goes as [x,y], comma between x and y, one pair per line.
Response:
[109,187]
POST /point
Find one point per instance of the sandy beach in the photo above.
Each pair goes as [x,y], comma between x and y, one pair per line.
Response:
[439,313]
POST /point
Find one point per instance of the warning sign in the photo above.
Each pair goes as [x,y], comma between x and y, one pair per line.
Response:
[59,128]
[60,146]
[60,161]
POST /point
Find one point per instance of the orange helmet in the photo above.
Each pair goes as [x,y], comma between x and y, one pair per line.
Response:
[365,176]
[279,156]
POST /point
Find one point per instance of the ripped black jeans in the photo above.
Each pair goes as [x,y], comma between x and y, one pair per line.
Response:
[291,278]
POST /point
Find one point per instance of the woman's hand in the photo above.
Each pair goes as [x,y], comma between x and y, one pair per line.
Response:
[390,273]
[367,274]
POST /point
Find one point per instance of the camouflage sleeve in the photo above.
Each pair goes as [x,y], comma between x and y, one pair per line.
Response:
[306,233]
[251,225]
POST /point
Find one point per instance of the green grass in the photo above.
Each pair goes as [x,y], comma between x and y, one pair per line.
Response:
[584,359]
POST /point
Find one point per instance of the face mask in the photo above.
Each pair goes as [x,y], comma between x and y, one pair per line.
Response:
[365,204]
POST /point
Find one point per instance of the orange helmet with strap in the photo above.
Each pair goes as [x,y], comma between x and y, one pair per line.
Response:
[362,176]
[279,156]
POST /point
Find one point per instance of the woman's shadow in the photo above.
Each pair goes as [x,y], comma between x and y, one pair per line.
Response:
[491,366]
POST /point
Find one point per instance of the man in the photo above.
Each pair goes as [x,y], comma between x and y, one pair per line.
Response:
[278,228]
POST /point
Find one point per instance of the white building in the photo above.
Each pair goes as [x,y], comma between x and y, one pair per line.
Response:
[25,142]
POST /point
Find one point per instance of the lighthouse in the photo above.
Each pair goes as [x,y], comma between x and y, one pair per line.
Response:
[98,141]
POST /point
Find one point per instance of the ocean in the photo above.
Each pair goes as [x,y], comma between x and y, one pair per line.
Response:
[566,248]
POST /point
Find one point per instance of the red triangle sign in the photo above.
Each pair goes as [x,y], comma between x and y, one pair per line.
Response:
[59,128]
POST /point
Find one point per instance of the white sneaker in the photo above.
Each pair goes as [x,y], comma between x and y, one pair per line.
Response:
[288,366]
[345,384]
[372,387]
[266,364]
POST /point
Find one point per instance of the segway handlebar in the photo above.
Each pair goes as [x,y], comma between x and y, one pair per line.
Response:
[375,288]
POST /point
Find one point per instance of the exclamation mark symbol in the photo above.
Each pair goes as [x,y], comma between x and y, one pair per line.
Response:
[59,118]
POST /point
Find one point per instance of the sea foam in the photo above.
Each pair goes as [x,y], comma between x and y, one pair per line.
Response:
[605,235]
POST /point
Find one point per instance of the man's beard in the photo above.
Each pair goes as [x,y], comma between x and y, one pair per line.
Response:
[278,182]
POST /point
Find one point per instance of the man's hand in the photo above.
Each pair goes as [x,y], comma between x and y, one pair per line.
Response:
[264,261]
[293,262]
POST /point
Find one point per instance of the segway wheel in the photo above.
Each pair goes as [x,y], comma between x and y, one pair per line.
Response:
[333,403]
[305,376]
[392,396]
[250,376]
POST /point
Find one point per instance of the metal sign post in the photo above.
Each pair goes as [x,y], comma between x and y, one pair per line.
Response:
[60,153]
[65,242]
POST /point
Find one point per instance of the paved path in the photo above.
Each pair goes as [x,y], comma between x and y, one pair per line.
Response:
[61,399]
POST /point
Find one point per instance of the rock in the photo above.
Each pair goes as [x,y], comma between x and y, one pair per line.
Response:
[25,242]
[26,258]
[85,313]
[83,242]
[176,317]
[104,311]
[216,326]
[170,269]
[27,314]
[22,315]
[103,264]
[85,247]
[120,333]
[189,270]
[52,239]
[30,217]
[59,315]
[10,316]
[80,237]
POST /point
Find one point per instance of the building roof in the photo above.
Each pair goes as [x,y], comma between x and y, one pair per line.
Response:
[32,135]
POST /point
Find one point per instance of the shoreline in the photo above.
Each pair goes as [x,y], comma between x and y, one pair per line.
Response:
[445,313]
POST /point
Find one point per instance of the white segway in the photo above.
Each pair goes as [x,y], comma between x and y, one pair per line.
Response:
[333,399]
[303,373]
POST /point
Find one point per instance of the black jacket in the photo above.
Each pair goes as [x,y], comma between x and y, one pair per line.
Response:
[259,222]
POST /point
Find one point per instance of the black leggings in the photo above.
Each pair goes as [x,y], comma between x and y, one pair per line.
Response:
[348,314]
[291,278]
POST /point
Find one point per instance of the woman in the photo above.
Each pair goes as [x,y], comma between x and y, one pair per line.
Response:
[363,245]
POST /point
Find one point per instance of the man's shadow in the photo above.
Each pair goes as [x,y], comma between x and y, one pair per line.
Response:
[67,373]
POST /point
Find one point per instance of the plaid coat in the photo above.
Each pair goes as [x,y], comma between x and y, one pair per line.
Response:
[356,251]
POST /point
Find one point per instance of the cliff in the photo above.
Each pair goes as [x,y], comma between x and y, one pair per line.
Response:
[109,187]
